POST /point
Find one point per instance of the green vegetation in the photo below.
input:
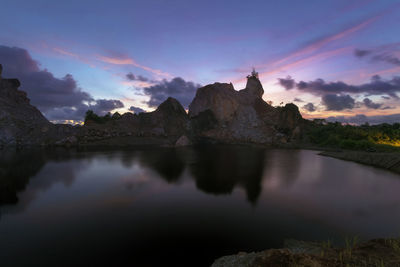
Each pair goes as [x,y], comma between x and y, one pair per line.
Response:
[382,137]
[91,116]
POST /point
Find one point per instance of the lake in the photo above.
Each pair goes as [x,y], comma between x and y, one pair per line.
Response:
[183,207]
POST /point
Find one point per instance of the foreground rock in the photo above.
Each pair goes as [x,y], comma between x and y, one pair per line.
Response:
[388,161]
[378,252]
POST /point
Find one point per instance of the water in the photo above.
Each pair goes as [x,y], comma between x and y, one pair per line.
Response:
[183,207]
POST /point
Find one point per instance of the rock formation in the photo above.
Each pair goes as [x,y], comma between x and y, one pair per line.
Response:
[218,113]
[243,116]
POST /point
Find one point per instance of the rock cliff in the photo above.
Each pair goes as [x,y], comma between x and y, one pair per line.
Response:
[20,122]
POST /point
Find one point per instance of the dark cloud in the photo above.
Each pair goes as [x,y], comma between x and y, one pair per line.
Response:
[309,107]
[361,53]
[385,97]
[177,88]
[338,102]
[136,110]
[57,98]
[132,77]
[44,90]
[288,83]
[370,104]
[100,107]
[382,56]
[388,58]
[298,100]
[361,119]
[376,86]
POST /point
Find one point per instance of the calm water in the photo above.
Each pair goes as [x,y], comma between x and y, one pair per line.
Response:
[185,207]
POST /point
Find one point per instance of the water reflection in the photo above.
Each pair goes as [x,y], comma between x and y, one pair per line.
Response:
[216,170]
[16,168]
[183,204]
[220,170]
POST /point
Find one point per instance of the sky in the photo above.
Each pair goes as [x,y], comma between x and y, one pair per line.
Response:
[334,59]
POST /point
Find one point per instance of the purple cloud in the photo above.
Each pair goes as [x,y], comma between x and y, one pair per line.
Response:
[177,88]
[57,98]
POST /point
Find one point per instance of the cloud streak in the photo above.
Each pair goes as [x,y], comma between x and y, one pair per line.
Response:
[130,61]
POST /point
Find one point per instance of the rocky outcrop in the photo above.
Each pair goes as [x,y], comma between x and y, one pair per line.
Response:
[218,113]
[243,116]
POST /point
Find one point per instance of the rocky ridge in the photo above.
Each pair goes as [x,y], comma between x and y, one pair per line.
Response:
[218,113]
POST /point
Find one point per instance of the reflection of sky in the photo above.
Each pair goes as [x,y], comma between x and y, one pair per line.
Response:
[98,42]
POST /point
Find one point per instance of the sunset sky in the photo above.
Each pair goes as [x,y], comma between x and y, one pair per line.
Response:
[342,56]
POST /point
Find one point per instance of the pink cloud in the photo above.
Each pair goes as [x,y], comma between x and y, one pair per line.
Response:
[130,61]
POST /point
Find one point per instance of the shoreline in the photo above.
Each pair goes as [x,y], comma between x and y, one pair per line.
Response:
[384,160]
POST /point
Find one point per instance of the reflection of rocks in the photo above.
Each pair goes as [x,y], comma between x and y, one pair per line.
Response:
[167,162]
[218,170]
[18,167]
[15,171]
